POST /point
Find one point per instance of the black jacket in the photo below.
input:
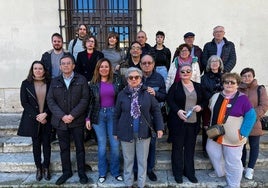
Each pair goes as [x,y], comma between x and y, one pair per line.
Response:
[150,110]
[94,101]
[156,81]
[211,83]
[228,54]
[176,100]
[85,66]
[62,101]
[29,126]
[46,59]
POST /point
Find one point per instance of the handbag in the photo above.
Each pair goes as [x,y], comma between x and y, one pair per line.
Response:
[214,131]
[264,122]
[264,119]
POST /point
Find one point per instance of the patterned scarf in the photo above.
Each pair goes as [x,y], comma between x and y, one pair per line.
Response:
[135,111]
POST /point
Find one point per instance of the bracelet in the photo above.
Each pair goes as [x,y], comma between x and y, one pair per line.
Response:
[87,119]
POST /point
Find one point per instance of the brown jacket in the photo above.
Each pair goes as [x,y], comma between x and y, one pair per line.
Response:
[251,91]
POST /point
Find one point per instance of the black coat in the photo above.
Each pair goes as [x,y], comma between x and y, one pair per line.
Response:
[176,101]
[62,101]
[150,110]
[85,66]
[211,83]
[29,126]
[228,54]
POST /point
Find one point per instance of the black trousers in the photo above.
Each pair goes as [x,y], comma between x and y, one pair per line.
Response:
[64,137]
[183,148]
[39,141]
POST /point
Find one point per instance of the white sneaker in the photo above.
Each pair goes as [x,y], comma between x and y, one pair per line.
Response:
[249,173]
[212,174]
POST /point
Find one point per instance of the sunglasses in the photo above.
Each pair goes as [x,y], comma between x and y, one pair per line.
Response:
[133,77]
[227,82]
[186,71]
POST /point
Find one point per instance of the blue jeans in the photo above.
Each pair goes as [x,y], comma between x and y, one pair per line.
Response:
[103,130]
[254,142]
[163,71]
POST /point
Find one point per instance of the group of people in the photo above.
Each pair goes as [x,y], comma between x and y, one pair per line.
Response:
[120,97]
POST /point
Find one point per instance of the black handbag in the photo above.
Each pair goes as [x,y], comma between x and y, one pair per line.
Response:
[214,131]
[264,122]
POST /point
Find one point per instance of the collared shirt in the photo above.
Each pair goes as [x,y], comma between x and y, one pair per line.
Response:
[219,48]
[68,80]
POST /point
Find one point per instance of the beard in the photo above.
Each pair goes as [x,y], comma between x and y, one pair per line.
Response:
[57,47]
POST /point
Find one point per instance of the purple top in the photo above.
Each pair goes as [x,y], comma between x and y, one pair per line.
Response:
[242,106]
[106,95]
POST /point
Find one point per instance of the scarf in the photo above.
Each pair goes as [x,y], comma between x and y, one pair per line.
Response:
[135,111]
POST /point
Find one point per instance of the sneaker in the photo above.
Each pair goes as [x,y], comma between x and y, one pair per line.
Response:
[249,173]
[212,174]
[102,179]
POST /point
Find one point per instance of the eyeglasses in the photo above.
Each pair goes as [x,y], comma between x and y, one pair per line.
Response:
[133,77]
[227,82]
[66,63]
[135,48]
[147,63]
[184,51]
[92,41]
[186,71]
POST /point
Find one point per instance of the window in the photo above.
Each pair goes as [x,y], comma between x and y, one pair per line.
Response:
[101,16]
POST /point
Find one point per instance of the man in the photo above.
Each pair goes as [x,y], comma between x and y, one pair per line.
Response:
[68,100]
[145,47]
[189,38]
[155,86]
[51,60]
[132,61]
[162,55]
[221,47]
[76,45]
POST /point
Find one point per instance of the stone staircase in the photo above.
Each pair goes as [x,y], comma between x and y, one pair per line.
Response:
[17,167]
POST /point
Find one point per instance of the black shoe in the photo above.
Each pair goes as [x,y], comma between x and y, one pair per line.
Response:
[151,175]
[39,175]
[178,180]
[63,179]
[88,167]
[135,176]
[83,179]
[205,154]
[46,174]
[193,179]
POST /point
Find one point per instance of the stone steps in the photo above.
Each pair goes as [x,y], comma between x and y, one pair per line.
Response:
[17,167]
[165,179]
[23,162]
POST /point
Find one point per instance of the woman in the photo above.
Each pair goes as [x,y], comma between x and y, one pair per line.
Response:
[162,55]
[113,51]
[135,113]
[185,100]
[183,58]
[211,84]
[249,87]
[35,120]
[87,59]
[225,152]
[85,65]
[103,91]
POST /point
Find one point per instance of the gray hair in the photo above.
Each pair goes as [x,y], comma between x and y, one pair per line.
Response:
[133,69]
[214,58]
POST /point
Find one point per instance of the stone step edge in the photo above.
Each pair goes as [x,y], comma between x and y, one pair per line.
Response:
[165,179]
